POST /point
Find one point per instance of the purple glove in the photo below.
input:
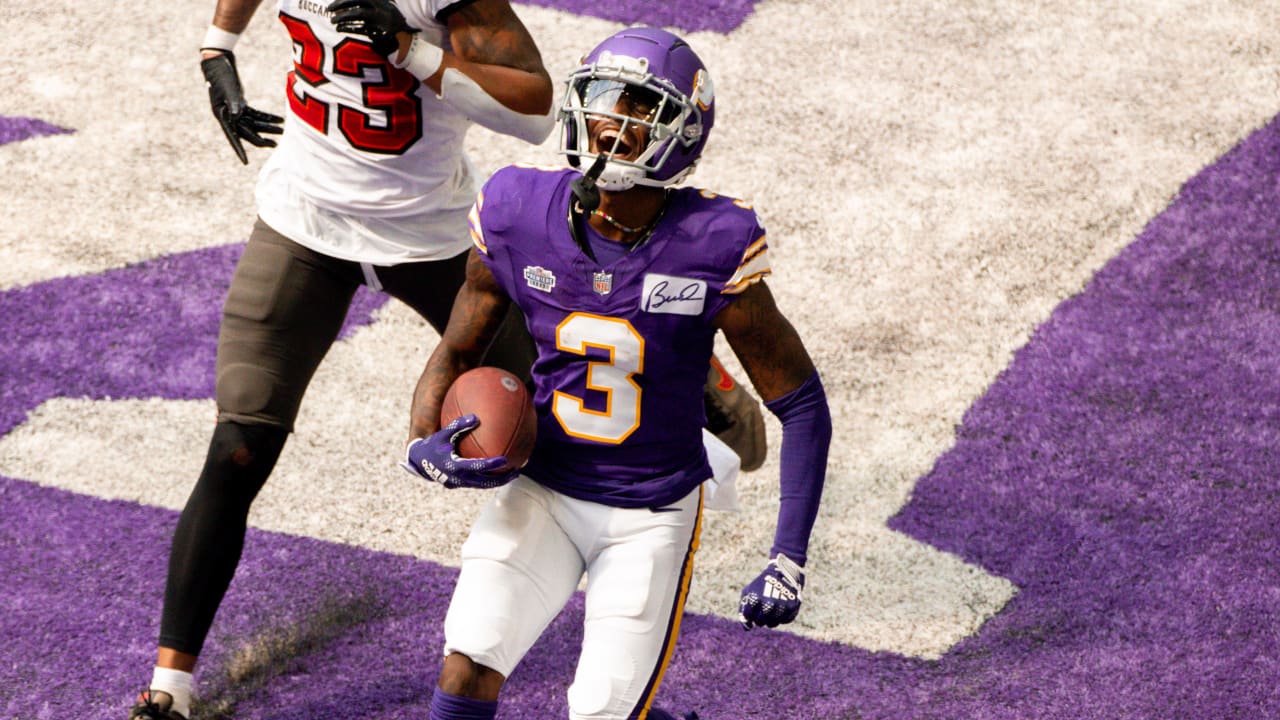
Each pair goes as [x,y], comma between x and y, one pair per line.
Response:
[436,458]
[773,598]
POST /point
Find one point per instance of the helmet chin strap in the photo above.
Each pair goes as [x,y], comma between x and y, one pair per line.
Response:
[584,188]
[618,178]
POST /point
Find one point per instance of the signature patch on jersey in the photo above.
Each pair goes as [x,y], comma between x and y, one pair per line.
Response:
[674,295]
[539,278]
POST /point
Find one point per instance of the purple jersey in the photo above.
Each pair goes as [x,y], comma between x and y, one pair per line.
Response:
[623,348]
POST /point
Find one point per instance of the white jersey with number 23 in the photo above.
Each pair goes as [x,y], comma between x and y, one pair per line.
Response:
[370,167]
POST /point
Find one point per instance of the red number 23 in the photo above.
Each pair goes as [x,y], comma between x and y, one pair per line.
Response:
[394,94]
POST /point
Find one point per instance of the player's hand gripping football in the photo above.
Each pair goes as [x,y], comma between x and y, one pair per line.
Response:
[378,20]
[773,598]
[436,458]
[238,120]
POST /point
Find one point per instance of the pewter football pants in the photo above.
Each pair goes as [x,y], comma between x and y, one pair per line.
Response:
[522,562]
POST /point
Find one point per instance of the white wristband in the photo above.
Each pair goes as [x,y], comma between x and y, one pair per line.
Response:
[423,58]
[789,568]
[215,38]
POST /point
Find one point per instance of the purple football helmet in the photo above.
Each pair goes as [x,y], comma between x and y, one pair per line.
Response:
[641,77]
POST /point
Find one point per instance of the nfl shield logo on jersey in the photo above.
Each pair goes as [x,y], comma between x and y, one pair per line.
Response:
[602,282]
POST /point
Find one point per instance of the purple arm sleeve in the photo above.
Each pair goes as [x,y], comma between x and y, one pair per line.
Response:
[806,436]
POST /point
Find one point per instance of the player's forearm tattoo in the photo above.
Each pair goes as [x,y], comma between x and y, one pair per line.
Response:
[477,313]
[234,15]
[424,416]
[495,36]
[768,345]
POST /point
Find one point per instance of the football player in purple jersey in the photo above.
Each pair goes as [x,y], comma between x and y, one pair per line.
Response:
[624,280]
[369,185]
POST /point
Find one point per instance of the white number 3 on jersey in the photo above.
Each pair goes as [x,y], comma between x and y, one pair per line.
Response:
[621,414]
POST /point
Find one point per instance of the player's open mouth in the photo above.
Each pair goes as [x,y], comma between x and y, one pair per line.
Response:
[611,140]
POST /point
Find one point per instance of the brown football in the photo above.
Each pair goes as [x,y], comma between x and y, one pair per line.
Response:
[508,425]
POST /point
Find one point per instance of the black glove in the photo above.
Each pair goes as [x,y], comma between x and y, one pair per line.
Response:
[237,119]
[378,20]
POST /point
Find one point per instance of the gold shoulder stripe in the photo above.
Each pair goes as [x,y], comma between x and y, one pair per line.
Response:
[746,282]
[473,220]
[755,266]
[754,249]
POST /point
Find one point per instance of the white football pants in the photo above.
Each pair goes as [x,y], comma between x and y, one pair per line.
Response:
[522,562]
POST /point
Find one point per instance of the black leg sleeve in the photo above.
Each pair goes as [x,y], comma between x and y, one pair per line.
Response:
[210,533]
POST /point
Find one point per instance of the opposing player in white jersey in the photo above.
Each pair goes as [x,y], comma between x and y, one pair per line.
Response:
[369,186]
[623,287]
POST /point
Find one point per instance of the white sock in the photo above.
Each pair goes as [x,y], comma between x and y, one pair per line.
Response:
[178,684]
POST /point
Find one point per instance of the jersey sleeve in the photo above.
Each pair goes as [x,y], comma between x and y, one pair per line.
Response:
[754,265]
[743,249]
[493,222]
[485,224]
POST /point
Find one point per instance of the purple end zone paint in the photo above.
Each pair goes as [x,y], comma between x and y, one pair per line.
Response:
[720,16]
[148,330]
[13,129]
[1123,473]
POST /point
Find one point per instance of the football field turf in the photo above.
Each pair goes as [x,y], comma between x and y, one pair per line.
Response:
[1034,249]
